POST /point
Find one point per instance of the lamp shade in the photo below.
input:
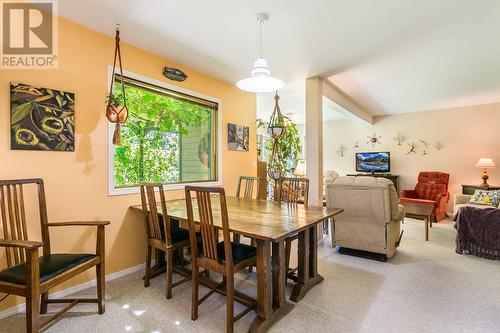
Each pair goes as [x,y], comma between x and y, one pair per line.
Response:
[485,162]
[260,80]
[300,169]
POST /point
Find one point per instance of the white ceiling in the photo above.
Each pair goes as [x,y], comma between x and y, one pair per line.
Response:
[292,105]
[390,56]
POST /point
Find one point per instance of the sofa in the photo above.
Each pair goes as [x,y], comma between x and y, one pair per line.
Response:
[372,217]
[478,228]
[461,200]
[431,188]
[329,177]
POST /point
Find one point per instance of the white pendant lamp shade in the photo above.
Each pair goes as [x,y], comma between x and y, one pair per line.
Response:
[260,80]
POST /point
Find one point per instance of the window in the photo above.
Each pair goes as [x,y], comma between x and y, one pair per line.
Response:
[169,137]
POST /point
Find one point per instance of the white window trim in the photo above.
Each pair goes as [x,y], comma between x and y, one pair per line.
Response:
[112,190]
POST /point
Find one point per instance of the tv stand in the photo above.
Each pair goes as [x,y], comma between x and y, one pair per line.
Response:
[393,178]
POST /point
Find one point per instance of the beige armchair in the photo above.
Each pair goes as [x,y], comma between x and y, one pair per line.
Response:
[372,217]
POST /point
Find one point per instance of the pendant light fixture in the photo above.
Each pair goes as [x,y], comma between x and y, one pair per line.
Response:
[260,80]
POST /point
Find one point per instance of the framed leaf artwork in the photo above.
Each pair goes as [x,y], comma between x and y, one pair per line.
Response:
[41,118]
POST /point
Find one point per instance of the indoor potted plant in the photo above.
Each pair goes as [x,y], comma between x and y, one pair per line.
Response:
[116,112]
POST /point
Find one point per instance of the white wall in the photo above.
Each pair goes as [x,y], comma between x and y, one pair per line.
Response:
[465,133]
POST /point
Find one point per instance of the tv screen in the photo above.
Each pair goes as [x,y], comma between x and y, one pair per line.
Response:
[373,162]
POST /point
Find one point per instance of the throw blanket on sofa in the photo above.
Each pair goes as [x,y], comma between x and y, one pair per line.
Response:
[478,232]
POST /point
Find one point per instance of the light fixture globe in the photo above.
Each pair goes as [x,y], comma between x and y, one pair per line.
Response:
[260,80]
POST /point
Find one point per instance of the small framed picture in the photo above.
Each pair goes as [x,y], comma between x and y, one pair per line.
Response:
[238,137]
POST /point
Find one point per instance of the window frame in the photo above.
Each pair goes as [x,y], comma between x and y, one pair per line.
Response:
[113,190]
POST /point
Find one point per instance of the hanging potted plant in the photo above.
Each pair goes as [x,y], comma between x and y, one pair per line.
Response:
[116,104]
[117,113]
[116,109]
[283,144]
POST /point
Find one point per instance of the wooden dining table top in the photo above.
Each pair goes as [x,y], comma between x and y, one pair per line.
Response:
[261,219]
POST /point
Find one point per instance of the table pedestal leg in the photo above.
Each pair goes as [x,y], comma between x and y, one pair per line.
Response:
[308,275]
[271,282]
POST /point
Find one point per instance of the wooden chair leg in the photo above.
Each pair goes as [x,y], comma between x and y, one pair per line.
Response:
[32,315]
[332,231]
[43,303]
[288,249]
[230,303]
[32,293]
[236,238]
[101,282]
[147,272]
[194,293]
[253,242]
[169,273]
[181,256]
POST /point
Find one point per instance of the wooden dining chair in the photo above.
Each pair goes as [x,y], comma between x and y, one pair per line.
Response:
[293,191]
[248,184]
[165,237]
[27,274]
[225,258]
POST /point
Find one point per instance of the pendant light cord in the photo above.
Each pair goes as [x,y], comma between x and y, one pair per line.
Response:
[260,38]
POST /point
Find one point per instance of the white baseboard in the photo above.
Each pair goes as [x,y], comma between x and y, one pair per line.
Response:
[71,290]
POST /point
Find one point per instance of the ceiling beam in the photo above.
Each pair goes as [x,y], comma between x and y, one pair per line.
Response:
[333,93]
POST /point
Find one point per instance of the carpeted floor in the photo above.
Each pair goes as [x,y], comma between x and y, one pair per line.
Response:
[426,287]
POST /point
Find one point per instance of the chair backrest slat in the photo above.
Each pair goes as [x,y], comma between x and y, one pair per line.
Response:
[23,212]
[9,251]
[294,190]
[13,216]
[152,220]
[207,224]
[249,185]
[209,232]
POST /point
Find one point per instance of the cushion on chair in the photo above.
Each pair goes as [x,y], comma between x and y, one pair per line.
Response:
[240,252]
[431,184]
[487,198]
[50,266]
[179,235]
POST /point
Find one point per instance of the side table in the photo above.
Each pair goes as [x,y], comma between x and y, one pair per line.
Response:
[420,211]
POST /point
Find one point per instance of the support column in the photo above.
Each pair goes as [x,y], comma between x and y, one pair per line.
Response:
[314,139]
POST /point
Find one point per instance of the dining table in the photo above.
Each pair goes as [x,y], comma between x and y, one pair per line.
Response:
[270,223]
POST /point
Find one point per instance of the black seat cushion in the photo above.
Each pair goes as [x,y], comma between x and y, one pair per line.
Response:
[179,235]
[240,252]
[50,266]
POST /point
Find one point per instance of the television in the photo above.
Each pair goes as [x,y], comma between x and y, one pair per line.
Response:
[373,162]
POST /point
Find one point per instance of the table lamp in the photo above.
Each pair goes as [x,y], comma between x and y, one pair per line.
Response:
[485,163]
[300,169]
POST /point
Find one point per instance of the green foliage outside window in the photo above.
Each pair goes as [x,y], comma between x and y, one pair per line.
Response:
[152,137]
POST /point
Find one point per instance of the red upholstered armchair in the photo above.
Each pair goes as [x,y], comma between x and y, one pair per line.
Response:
[432,187]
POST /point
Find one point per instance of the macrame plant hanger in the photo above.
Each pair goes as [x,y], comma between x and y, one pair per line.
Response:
[276,130]
[117,113]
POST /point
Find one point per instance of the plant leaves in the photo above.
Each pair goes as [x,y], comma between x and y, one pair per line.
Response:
[20,112]
[46,108]
[43,98]
[59,100]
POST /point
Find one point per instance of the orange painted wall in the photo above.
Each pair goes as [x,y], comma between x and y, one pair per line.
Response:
[76,182]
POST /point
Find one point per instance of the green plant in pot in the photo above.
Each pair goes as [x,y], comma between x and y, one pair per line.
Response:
[116,109]
[116,112]
[289,142]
